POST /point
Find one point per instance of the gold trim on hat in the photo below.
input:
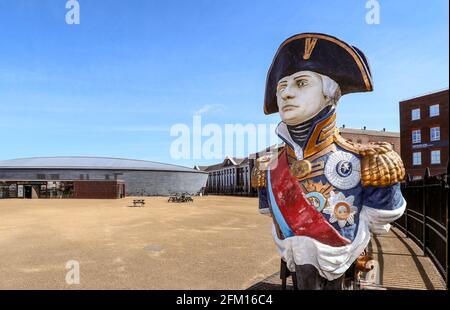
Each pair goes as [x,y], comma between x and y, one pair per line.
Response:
[310,43]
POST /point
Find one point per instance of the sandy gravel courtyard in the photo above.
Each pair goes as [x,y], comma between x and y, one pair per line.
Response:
[214,243]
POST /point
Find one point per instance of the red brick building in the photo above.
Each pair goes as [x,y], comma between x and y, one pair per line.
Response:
[424,133]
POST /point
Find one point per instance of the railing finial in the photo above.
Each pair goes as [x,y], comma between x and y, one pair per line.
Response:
[427,173]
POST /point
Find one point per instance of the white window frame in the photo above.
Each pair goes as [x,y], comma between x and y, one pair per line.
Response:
[419,158]
[435,135]
[416,136]
[437,112]
[434,152]
[415,114]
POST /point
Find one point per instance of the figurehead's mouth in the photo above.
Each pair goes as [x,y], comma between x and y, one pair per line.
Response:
[288,107]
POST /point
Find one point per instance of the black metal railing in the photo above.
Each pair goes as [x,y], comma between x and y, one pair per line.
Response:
[425,220]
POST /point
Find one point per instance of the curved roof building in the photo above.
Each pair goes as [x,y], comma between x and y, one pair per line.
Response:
[141,177]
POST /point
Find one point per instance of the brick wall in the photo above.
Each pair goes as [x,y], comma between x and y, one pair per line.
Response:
[97,189]
[407,125]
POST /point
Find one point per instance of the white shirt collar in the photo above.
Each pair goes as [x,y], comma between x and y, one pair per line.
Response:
[283,133]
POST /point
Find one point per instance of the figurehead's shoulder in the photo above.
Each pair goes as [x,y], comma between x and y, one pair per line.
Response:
[380,164]
[262,163]
[346,144]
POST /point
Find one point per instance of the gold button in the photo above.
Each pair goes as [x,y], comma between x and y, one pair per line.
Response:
[301,168]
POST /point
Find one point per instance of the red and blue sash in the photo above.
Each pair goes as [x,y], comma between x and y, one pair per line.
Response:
[293,213]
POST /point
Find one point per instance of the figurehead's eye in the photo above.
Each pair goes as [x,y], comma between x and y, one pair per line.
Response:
[281,87]
[302,82]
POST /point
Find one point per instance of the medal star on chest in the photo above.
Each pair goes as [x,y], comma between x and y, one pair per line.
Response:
[317,193]
[341,209]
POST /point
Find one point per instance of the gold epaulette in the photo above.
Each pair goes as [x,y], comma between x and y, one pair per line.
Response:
[259,172]
[380,164]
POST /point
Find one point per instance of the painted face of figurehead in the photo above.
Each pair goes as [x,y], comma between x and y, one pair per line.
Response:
[300,96]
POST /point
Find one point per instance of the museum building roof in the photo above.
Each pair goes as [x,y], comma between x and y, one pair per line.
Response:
[91,163]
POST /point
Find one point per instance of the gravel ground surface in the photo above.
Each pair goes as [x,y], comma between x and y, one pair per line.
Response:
[217,242]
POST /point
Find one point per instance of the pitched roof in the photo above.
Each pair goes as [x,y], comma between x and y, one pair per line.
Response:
[201,168]
[234,162]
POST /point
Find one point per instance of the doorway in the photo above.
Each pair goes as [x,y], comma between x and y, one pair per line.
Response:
[28,191]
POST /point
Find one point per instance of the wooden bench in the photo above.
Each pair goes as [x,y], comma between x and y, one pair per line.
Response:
[138,202]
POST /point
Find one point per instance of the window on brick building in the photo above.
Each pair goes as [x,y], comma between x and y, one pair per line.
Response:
[435,133]
[434,110]
[417,158]
[436,157]
[416,136]
[415,114]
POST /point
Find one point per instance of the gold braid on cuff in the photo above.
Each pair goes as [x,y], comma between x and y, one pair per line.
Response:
[258,178]
[259,172]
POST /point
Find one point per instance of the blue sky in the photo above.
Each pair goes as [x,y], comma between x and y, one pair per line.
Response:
[116,83]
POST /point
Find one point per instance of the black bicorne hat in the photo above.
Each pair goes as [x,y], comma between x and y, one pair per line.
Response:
[319,53]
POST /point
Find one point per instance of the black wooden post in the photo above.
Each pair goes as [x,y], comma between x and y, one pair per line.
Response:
[424,209]
[405,195]
[446,186]
[283,274]
[446,233]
